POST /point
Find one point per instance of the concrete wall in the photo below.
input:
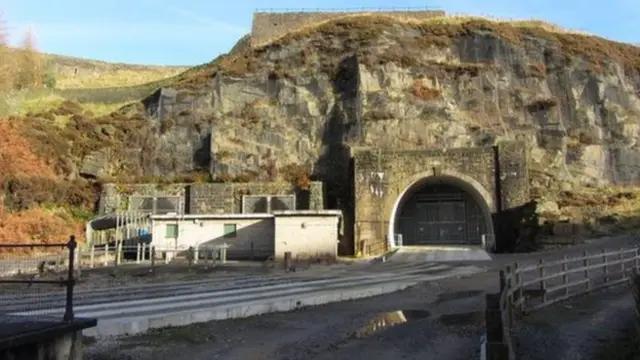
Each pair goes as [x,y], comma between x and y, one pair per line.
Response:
[270,26]
[479,168]
[312,235]
[206,230]
[207,198]
[63,346]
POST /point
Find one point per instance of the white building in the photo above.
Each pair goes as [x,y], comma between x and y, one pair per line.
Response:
[305,233]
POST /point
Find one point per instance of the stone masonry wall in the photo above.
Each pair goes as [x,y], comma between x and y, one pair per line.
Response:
[199,198]
[514,174]
[402,168]
[115,197]
[270,26]
[516,223]
[223,198]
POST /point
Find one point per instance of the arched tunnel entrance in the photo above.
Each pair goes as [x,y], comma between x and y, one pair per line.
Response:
[442,210]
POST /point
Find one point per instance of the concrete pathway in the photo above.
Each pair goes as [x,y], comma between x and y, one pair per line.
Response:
[439,254]
[135,310]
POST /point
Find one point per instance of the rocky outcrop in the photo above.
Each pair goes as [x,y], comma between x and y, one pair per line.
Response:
[373,81]
[581,124]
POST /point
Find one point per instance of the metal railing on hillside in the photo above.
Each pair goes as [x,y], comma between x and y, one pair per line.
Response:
[36,269]
[354,9]
[527,288]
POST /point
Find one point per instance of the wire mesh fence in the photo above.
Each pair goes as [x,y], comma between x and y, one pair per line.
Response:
[37,277]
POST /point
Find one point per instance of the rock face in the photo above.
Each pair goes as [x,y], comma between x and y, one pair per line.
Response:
[372,81]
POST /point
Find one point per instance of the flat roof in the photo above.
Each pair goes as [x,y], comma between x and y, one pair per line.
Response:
[210,216]
[308,213]
[113,220]
[173,217]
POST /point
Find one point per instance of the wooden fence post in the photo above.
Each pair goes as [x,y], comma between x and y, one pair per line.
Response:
[508,299]
[543,282]
[635,287]
[497,348]
[565,277]
[585,264]
[604,267]
[519,293]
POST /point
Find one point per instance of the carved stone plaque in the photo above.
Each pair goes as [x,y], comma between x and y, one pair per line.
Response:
[377,184]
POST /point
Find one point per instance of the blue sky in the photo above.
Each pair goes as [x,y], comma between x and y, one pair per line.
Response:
[189,32]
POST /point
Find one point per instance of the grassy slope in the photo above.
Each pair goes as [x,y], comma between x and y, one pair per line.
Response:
[101,87]
[101,74]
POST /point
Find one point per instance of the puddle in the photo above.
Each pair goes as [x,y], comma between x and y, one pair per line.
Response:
[389,319]
[458,295]
[467,318]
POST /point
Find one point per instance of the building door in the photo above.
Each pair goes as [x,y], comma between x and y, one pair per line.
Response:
[440,215]
[441,223]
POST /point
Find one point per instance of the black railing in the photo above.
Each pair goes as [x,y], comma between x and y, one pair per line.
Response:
[29,265]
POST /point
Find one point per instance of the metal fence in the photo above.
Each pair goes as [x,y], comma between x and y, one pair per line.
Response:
[353,9]
[37,277]
[98,256]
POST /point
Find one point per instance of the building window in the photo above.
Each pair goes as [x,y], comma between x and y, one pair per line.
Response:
[171,231]
[229,230]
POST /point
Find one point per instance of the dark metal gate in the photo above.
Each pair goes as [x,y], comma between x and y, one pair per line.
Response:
[441,215]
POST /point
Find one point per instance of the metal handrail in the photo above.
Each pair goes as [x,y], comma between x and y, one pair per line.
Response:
[69,282]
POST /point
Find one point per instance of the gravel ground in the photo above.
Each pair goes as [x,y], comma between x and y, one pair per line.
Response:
[594,327]
[448,326]
[445,320]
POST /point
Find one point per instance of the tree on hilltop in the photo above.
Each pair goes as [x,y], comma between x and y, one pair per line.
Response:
[6,59]
[30,64]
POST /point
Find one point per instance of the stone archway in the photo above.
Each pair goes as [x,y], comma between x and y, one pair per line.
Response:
[447,208]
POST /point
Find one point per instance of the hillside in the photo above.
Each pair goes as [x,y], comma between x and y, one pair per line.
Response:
[74,72]
[99,87]
[364,80]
